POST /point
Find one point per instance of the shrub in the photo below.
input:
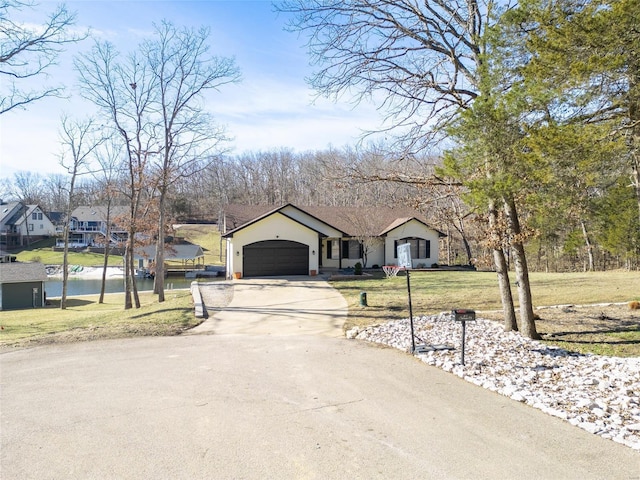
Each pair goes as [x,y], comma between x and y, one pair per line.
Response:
[358,269]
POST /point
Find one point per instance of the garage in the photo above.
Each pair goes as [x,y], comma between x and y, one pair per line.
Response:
[275,257]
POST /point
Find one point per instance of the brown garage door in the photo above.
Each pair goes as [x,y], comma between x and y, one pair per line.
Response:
[275,257]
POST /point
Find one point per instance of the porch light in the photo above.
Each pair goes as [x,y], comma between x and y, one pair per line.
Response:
[313,252]
[237,253]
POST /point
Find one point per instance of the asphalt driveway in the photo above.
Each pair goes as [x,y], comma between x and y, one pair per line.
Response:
[246,405]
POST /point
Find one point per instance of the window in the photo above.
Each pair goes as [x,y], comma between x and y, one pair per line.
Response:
[36,216]
[351,249]
[420,248]
[31,227]
[333,249]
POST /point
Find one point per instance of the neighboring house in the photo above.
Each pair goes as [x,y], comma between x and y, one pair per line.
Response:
[88,226]
[22,285]
[291,240]
[22,224]
[190,255]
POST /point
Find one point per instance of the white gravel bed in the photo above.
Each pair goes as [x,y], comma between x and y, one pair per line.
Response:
[597,393]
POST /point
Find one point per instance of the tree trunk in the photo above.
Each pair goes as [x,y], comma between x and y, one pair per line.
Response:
[588,245]
[132,282]
[634,121]
[127,277]
[527,319]
[502,271]
[65,254]
[65,266]
[467,249]
[105,261]
[158,284]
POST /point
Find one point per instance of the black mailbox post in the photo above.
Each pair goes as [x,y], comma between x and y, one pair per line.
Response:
[463,315]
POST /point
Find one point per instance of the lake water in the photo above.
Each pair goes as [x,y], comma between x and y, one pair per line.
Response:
[78,286]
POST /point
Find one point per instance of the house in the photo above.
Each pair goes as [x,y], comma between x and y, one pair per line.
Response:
[291,240]
[22,224]
[22,285]
[88,226]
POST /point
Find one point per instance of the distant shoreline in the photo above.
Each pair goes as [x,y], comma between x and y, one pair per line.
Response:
[88,273]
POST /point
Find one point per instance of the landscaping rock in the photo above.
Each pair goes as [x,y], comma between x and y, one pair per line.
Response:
[599,394]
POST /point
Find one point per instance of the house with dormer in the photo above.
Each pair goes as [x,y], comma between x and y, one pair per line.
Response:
[22,224]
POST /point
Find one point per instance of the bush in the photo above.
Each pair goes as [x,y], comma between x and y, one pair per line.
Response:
[357,269]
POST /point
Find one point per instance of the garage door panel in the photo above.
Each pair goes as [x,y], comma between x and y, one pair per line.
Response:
[275,257]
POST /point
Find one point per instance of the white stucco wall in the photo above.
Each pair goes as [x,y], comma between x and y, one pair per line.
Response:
[273,227]
[413,228]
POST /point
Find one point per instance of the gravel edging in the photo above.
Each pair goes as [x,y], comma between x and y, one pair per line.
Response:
[597,393]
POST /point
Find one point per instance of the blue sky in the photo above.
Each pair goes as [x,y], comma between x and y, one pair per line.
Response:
[271,108]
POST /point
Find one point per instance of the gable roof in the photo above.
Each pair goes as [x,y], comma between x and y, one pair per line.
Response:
[97,213]
[352,221]
[17,272]
[241,214]
[17,213]
[8,210]
[57,218]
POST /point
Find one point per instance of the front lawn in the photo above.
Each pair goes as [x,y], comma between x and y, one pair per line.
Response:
[86,319]
[437,291]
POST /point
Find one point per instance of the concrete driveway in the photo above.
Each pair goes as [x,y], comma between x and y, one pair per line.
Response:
[278,306]
[247,405]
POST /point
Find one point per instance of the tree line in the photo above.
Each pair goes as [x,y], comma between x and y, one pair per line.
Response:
[361,177]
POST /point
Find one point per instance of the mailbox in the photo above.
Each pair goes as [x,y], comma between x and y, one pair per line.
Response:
[463,315]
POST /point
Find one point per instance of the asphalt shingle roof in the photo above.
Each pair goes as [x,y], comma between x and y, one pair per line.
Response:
[353,221]
[18,272]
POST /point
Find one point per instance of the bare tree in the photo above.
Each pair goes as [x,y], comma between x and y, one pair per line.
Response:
[28,187]
[79,140]
[417,59]
[27,52]
[183,73]
[110,159]
[124,90]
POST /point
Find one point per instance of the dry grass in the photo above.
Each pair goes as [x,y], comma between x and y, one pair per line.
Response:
[86,319]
